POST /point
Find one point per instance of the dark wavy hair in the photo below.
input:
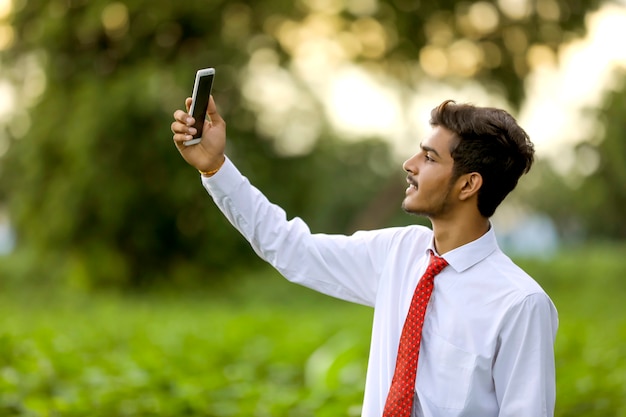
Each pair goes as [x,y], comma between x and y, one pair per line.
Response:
[489,142]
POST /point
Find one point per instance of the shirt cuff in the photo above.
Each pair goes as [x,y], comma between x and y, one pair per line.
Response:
[223,181]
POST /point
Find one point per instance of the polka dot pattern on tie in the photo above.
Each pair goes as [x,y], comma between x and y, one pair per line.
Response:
[402,391]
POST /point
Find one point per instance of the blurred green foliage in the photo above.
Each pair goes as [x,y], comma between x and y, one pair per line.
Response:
[589,202]
[260,352]
[260,346]
[91,180]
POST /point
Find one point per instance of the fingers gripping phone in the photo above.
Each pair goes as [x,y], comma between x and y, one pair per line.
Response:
[200,101]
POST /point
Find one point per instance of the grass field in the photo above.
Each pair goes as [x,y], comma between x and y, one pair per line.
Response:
[264,347]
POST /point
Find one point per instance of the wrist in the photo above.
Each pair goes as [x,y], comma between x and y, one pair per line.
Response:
[213,169]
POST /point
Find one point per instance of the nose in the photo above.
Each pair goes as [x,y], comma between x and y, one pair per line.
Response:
[410,165]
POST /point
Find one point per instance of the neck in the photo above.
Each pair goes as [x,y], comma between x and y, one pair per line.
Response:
[453,233]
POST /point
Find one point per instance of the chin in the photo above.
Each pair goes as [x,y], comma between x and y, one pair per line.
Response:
[409,208]
[405,205]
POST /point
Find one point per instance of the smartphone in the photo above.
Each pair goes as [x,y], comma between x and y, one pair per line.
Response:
[200,101]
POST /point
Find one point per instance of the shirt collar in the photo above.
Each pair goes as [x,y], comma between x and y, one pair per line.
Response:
[471,253]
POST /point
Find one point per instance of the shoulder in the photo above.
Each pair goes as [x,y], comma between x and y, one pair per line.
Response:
[509,273]
[524,300]
[413,235]
[405,240]
[521,290]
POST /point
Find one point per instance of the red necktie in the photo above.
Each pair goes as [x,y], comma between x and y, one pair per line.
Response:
[402,391]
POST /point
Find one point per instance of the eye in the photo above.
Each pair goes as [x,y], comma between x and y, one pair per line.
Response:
[428,158]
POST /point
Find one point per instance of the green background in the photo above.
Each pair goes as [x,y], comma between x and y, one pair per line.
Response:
[126,292]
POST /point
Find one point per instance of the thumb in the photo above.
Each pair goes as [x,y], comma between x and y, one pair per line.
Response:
[214,116]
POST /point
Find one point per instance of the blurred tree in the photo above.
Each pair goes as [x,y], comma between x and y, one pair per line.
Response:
[91,179]
[589,201]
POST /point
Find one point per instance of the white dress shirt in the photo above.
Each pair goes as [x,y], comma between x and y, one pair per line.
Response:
[488,336]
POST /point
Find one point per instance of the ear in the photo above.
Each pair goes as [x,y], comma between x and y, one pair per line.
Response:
[469,184]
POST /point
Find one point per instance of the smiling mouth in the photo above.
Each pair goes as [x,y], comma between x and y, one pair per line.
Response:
[411,188]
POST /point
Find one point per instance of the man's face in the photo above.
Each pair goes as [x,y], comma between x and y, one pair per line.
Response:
[429,174]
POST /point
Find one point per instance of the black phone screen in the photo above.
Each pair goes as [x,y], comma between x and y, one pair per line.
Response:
[202,91]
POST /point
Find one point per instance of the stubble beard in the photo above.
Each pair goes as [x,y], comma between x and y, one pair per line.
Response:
[438,210]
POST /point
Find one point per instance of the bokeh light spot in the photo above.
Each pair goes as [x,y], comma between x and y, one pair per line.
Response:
[115,19]
[484,17]
[434,61]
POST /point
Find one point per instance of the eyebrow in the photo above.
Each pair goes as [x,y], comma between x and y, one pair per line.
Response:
[429,149]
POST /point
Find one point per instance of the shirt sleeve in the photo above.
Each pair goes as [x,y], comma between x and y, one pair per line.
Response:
[524,369]
[346,267]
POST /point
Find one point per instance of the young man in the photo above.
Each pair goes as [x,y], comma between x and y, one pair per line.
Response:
[473,336]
